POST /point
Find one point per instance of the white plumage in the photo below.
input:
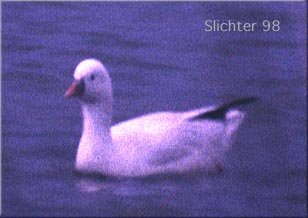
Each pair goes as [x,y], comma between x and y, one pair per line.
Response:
[163,142]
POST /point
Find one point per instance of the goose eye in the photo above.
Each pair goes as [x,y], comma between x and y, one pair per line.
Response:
[92,77]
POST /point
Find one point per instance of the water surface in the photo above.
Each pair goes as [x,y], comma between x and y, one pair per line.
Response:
[159,58]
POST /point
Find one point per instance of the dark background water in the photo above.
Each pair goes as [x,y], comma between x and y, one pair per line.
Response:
[159,58]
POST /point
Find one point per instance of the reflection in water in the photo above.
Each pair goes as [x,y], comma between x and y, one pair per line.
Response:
[89,185]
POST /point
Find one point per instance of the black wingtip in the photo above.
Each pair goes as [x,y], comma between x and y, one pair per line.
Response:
[220,112]
[247,100]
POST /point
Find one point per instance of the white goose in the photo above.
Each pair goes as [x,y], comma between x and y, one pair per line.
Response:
[162,142]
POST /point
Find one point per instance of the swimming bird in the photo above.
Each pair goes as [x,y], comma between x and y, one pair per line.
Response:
[156,143]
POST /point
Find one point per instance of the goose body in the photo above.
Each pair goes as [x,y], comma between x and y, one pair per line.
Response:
[157,143]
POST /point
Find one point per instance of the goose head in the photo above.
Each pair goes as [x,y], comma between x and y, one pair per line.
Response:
[92,83]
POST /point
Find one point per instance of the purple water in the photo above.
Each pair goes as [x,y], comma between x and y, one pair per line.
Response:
[160,58]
